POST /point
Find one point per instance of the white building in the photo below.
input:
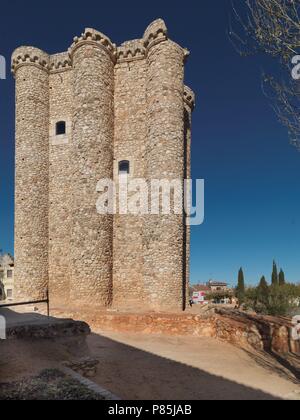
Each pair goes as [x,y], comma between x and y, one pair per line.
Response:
[6,277]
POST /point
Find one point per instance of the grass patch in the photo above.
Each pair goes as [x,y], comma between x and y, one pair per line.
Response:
[48,385]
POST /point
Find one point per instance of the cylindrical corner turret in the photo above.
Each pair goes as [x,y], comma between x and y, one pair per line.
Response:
[30,66]
[189,106]
[93,58]
[155,33]
[164,263]
[29,56]
[92,37]
[189,98]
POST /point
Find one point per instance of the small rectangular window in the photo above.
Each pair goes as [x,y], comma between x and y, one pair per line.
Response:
[60,128]
[124,167]
[9,274]
[9,293]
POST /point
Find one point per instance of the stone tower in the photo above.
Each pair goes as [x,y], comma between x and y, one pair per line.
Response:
[81,115]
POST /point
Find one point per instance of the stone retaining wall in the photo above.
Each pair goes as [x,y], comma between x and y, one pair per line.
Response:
[51,330]
[242,330]
[261,332]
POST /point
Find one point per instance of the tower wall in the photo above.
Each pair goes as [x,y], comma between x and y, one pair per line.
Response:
[30,66]
[126,103]
[189,104]
[60,179]
[164,234]
[92,160]
[129,144]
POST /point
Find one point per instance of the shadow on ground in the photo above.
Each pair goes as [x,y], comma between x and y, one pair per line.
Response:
[138,375]
[275,363]
[126,371]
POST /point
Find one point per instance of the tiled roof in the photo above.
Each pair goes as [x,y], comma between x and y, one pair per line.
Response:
[201,288]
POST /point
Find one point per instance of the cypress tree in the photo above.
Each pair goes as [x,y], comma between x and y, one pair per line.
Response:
[281,278]
[240,290]
[275,280]
[263,291]
[263,283]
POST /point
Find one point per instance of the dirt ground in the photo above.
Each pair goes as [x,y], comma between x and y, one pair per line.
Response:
[147,367]
[154,367]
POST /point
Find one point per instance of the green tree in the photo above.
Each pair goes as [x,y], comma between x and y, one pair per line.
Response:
[277,301]
[283,300]
[273,27]
[219,295]
[281,278]
[240,290]
[263,284]
[263,292]
[275,280]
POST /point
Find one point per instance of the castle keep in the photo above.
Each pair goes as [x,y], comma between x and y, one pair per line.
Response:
[81,116]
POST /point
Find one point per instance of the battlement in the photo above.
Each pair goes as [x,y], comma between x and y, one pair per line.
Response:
[131,50]
[189,97]
[93,37]
[156,32]
[29,56]
[60,62]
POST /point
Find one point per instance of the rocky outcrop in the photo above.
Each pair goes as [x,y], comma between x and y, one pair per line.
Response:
[86,367]
[261,332]
[238,333]
[49,330]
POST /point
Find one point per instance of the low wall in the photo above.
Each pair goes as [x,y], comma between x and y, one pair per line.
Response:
[48,330]
[261,332]
[242,330]
[165,324]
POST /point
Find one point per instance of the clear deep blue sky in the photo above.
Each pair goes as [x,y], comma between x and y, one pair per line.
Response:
[252,174]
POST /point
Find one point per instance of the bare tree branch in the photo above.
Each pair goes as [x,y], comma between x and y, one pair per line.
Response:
[272,27]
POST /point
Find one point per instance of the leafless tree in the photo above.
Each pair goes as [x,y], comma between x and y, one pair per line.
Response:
[272,27]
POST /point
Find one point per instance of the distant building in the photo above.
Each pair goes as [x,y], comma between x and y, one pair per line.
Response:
[217,286]
[211,286]
[199,291]
[200,288]
[6,277]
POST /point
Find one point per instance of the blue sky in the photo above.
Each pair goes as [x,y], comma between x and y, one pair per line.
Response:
[251,172]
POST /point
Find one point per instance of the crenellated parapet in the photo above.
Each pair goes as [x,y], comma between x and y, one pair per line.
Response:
[138,49]
[131,51]
[96,38]
[60,62]
[29,56]
[189,97]
[155,33]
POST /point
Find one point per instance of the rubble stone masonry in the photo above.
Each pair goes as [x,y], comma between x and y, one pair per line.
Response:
[125,103]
